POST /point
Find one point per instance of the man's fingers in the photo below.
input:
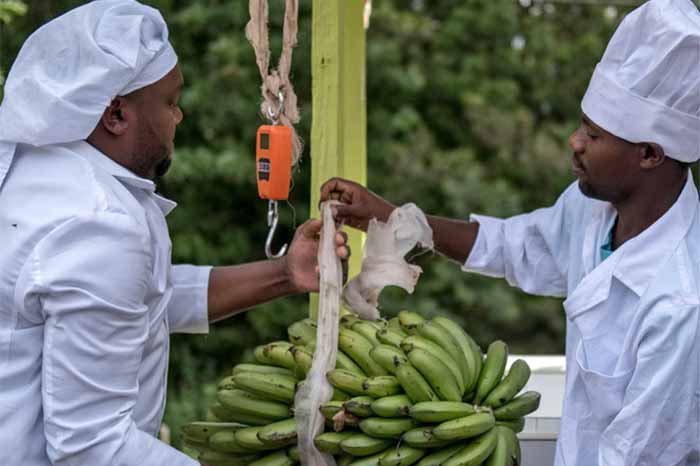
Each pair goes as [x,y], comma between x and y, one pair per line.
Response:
[343,252]
[341,238]
[311,228]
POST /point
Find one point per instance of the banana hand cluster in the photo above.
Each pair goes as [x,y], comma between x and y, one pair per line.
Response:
[407,391]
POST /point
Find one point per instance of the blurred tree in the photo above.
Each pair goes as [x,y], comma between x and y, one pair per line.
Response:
[470,104]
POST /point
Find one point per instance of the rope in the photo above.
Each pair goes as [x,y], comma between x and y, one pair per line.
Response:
[276,81]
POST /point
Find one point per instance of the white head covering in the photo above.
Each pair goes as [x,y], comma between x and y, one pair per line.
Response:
[646,87]
[70,69]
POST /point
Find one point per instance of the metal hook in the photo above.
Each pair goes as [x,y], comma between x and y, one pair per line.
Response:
[274,118]
[272,218]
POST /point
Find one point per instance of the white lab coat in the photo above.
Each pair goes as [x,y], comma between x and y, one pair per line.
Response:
[88,297]
[632,348]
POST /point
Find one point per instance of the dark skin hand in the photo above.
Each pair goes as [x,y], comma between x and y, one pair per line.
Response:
[235,288]
[452,238]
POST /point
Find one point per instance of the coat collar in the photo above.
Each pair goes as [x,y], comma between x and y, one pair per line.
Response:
[124,175]
[642,255]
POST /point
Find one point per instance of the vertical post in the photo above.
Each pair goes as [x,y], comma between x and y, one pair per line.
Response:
[339,125]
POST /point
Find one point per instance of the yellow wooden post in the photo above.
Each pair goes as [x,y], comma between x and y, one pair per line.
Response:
[339,121]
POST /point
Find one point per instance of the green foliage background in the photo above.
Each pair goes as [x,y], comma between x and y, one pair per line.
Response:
[470,103]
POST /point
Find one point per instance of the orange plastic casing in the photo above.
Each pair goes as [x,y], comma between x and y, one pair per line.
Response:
[273,161]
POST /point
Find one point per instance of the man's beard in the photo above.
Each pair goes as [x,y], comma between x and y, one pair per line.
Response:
[151,151]
[163,166]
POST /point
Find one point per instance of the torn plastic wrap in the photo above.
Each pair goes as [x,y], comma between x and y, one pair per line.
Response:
[315,389]
[383,263]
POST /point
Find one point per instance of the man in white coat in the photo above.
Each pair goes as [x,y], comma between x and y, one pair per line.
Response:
[622,245]
[88,295]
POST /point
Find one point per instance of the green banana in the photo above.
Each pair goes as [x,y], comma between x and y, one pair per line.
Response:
[491,373]
[516,426]
[438,335]
[261,368]
[395,324]
[476,452]
[348,319]
[280,355]
[226,415]
[277,458]
[392,406]
[272,386]
[360,406]
[344,460]
[465,427]
[294,453]
[518,407]
[248,438]
[329,442]
[330,409]
[340,395]
[513,444]
[417,341]
[438,457]
[359,444]
[226,383]
[216,458]
[225,442]
[387,356]
[511,384]
[343,361]
[410,321]
[262,358]
[366,329]
[358,347]
[440,411]
[381,385]
[390,337]
[201,431]
[371,460]
[471,351]
[414,384]
[346,381]
[303,358]
[279,434]
[384,427]
[302,332]
[403,455]
[423,437]
[501,455]
[244,402]
[436,373]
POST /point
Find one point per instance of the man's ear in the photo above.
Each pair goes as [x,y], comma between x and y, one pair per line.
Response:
[652,155]
[116,117]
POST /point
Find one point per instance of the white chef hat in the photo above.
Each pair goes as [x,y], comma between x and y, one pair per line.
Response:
[70,69]
[646,87]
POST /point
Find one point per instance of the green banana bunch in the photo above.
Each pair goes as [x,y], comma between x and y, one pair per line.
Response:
[438,335]
[248,438]
[503,454]
[329,442]
[491,373]
[511,384]
[410,321]
[279,434]
[518,407]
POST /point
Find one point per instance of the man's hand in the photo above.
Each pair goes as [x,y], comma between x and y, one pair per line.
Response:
[359,205]
[302,258]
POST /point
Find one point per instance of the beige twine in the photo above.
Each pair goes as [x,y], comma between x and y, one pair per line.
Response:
[276,80]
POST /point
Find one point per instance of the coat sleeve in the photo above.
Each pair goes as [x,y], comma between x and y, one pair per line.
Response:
[188,307]
[531,250]
[658,421]
[90,275]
